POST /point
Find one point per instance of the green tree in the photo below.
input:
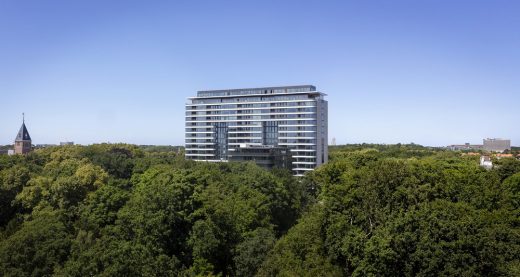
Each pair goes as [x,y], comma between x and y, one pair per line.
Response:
[506,167]
[157,214]
[101,207]
[226,216]
[12,180]
[63,185]
[110,256]
[39,248]
[302,251]
[252,251]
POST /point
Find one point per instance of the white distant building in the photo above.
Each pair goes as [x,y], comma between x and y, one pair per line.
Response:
[485,162]
[497,145]
[467,146]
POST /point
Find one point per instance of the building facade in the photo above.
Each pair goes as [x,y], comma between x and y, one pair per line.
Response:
[485,162]
[266,156]
[465,147]
[497,145]
[294,117]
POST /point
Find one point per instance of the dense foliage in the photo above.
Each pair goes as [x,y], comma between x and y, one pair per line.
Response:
[381,210]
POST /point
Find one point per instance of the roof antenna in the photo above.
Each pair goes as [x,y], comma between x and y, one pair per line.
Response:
[23,117]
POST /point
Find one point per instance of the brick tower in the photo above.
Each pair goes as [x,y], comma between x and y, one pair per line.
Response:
[23,143]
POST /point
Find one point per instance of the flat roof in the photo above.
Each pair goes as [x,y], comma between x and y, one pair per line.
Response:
[313,88]
[261,91]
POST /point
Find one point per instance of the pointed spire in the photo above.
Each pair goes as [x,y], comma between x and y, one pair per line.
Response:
[23,134]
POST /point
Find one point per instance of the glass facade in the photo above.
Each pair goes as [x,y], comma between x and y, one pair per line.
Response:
[270,133]
[293,117]
[221,140]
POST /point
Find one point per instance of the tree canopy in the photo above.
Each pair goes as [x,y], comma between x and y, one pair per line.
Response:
[377,210]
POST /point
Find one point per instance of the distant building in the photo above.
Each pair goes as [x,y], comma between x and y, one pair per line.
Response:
[500,156]
[466,146]
[491,145]
[471,154]
[497,145]
[66,143]
[265,156]
[23,142]
[485,162]
[45,145]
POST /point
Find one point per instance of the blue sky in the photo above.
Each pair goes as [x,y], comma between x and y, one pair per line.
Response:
[433,72]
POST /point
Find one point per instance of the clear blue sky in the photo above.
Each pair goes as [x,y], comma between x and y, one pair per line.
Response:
[433,72]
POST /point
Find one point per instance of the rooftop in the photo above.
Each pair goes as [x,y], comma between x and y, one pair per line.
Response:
[256,91]
[493,139]
[23,134]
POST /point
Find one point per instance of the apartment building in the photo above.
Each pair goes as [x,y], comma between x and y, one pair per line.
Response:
[497,144]
[294,117]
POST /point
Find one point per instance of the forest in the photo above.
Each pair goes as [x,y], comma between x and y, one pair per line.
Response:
[372,210]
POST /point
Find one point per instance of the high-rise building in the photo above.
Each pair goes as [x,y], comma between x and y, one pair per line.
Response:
[23,142]
[294,117]
[497,145]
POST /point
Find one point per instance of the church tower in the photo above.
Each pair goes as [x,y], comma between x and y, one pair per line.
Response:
[23,143]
